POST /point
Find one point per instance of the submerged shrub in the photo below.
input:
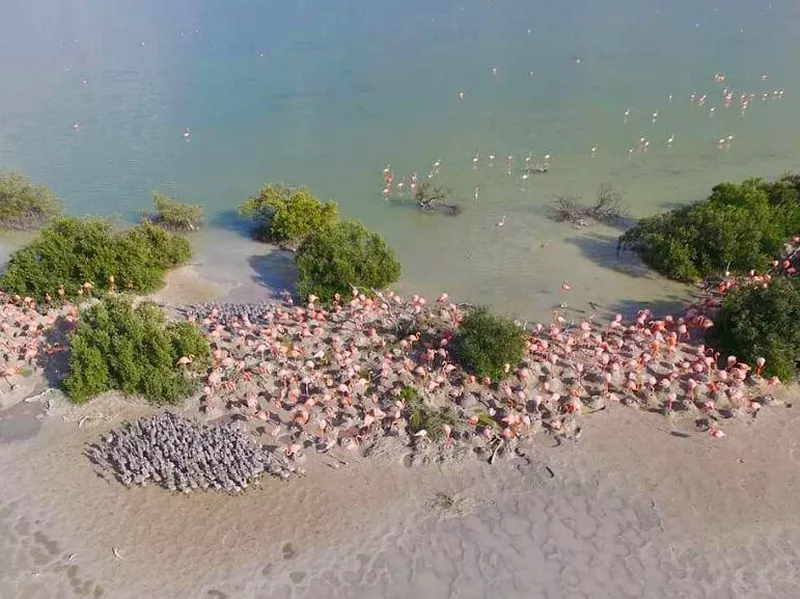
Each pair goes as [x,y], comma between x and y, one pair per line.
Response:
[135,351]
[738,228]
[288,215]
[485,343]
[755,322]
[173,215]
[76,256]
[26,205]
[345,255]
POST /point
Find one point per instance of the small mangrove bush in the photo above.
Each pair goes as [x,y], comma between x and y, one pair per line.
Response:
[757,322]
[607,208]
[424,417]
[173,215]
[738,228]
[75,257]
[485,343]
[133,350]
[337,258]
[287,215]
[26,205]
[431,198]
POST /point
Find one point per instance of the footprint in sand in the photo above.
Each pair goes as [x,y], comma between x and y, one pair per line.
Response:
[289,552]
[50,546]
[216,594]
[22,527]
[297,577]
[267,570]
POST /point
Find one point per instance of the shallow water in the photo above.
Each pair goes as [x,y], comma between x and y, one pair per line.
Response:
[325,94]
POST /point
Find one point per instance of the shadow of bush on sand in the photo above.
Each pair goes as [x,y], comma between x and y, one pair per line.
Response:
[671,304]
[275,271]
[55,364]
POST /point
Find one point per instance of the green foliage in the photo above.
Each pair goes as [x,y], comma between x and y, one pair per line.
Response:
[422,416]
[73,251]
[288,215]
[134,351]
[174,216]
[25,205]
[755,322]
[485,343]
[168,249]
[739,227]
[336,258]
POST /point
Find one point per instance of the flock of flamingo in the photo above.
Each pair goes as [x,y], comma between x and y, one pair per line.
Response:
[327,376]
[530,163]
[335,376]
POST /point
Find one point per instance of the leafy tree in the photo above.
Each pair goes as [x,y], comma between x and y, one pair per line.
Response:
[485,343]
[336,258]
[288,215]
[738,227]
[73,252]
[25,205]
[135,351]
[173,215]
[755,321]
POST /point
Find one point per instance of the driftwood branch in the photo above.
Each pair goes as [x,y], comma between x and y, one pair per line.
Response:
[607,208]
[431,199]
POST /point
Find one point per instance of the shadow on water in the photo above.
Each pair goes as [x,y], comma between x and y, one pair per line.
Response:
[669,206]
[602,250]
[231,221]
[275,271]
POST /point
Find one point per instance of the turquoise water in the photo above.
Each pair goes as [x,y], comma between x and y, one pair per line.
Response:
[328,93]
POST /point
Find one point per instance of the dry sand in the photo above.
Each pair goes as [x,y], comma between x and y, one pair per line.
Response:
[629,510]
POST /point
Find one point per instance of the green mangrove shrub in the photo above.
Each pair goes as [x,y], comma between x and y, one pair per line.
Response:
[133,350]
[739,227]
[74,257]
[173,215]
[26,205]
[422,416]
[757,322]
[336,258]
[485,343]
[288,215]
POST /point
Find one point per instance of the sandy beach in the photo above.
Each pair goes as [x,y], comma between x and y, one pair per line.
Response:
[675,517]
[640,505]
